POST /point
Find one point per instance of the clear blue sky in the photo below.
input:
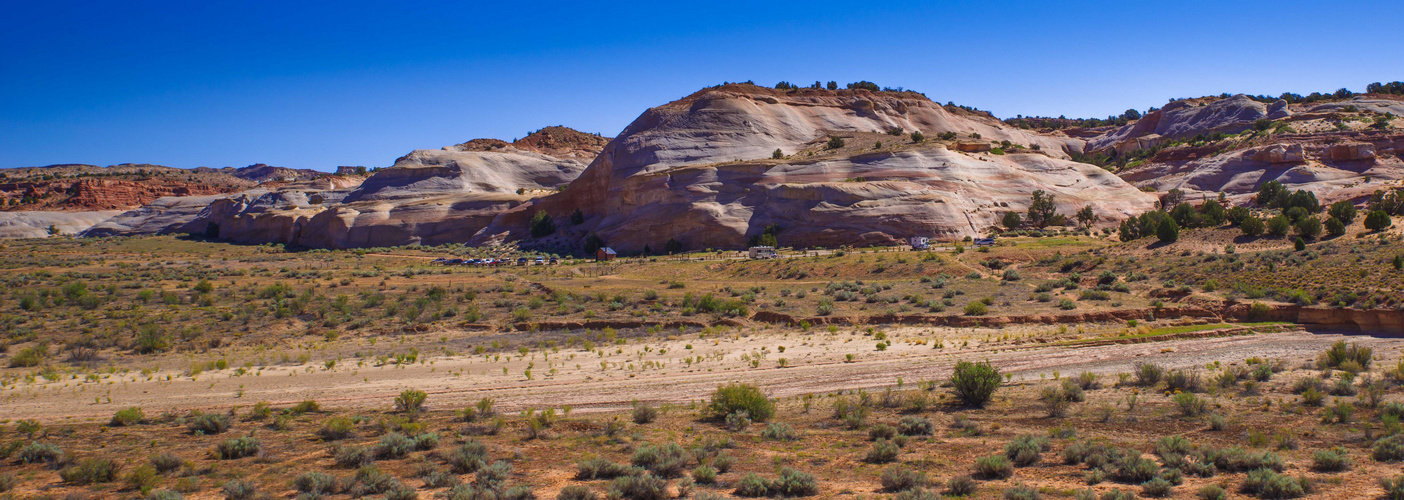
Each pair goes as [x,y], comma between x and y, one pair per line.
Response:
[315,85]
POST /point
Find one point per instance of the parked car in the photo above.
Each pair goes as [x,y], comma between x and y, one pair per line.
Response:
[521,261]
[984,242]
[554,261]
[540,261]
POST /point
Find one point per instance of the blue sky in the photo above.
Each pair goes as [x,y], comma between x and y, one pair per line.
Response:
[316,85]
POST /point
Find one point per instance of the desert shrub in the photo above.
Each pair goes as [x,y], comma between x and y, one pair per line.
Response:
[1266,483]
[752,485]
[166,462]
[577,492]
[737,421]
[308,406]
[239,489]
[641,487]
[1332,460]
[352,456]
[1073,392]
[1305,384]
[315,482]
[1234,459]
[7,482]
[916,494]
[644,414]
[1172,445]
[493,476]
[1339,413]
[164,495]
[1393,487]
[129,416]
[1261,372]
[90,471]
[209,423]
[993,467]
[1088,381]
[704,474]
[723,461]
[1112,494]
[401,492]
[1183,381]
[882,452]
[900,478]
[741,397]
[915,426]
[779,431]
[1055,400]
[38,453]
[881,431]
[1134,469]
[394,445]
[1157,487]
[426,441]
[976,308]
[142,478]
[236,448]
[1026,450]
[1340,353]
[1149,374]
[336,428]
[961,485]
[1217,422]
[599,468]
[793,483]
[1021,492]
[1389,449]
[1212,492]
[975,383]
[410,401]
[666,461]
[1189,404]
[1313,397]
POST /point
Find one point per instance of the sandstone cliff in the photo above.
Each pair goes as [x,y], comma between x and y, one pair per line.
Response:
[700,170]
[119,187]
[428,197]
[1187,118]
[31,224]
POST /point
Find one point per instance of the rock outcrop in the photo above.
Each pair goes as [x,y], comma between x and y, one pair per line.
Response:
[1351,151]
[260,173]
[37,224]
[1278,153]
[428,197]
[92,188]
[164,215]
[1187,118]
[1336,166]
[673,174]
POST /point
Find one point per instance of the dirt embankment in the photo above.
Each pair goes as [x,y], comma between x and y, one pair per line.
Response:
[1374,321]
[1378,321]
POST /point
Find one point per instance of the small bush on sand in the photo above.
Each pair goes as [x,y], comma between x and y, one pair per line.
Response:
[733,398]
[993,467]
[975,383]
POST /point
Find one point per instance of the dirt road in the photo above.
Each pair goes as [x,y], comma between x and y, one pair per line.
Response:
[660,371]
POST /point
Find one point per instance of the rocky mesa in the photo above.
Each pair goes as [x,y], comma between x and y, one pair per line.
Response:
[824,167]
[429,196]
